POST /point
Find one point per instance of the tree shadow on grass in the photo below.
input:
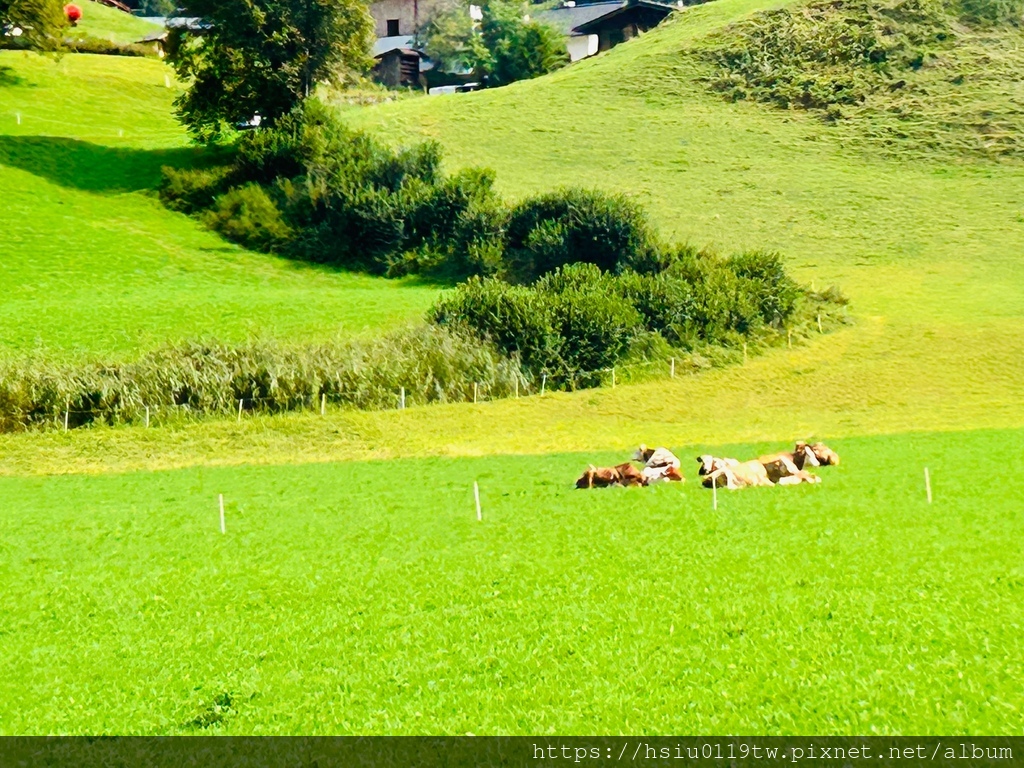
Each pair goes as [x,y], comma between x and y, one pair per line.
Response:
[94,167]
[9,78]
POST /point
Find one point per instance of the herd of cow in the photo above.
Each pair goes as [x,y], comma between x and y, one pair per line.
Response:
[661,466]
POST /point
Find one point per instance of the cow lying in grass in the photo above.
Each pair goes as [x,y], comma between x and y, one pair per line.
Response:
[602,477]
[825,455]
[656,457]
[784,466]
[660,466]
[731,473]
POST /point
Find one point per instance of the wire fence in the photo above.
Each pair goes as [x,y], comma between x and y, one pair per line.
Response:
[474,392]
[170,406]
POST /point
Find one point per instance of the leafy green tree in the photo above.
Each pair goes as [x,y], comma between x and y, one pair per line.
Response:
[519,49]
[41,22]
[156,7]
[503,46]
[263,57]
[450,38]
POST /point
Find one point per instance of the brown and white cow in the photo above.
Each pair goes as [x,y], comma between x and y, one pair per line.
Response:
[602,477]
[666,474]
[790,463]
[731,473]
[656,457]
[825,455]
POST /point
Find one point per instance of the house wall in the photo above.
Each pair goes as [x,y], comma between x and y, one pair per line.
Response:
[410,14]
[581,46]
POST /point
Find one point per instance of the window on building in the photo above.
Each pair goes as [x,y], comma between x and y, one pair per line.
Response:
[393,28]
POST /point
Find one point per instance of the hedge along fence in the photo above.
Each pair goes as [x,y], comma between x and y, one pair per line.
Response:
[418,366]
[427,364]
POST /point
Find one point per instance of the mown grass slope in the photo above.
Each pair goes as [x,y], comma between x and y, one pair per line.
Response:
[343,601]
[111,24]
[92,263]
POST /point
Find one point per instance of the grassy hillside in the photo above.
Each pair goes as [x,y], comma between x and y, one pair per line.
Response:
[926,247]
[91,262]
[111,24]
[357,593]
[848,607]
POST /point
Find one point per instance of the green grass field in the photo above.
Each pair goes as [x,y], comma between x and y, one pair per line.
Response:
[93,264]
[355,591]
[365,597]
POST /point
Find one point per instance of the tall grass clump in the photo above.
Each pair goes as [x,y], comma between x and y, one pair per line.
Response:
[823,55]
[432,364]
[917,75]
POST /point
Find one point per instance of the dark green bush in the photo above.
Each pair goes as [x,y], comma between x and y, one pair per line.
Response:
[249,216]
[595,325]
[575,225]
[516,319]
[763,276]
[191,190]
[577,321]
[339,197]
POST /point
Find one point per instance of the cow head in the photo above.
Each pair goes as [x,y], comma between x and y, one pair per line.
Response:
[720,478]
[708,464]
[587,478]
[803,456]
[643,453]
[824,454]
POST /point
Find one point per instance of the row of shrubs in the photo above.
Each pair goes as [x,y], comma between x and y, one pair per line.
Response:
[578,320]
[312,189]
[432,364]
[95,45]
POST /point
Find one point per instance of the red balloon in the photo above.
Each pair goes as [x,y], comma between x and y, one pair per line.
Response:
[73,12]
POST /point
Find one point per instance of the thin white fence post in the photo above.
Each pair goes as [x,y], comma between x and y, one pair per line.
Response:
[476,498]
[744,353]
[672,369]
[928,485]
[517,388]
[476,388]
[323,403]
[401,398]
[147,417]
[543,382]
[714,493]
[613,377]
[220,498]
[239,409]
[819,323]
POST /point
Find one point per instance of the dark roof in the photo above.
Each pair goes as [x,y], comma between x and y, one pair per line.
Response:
[401,51]
[565,20]
[654,11]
